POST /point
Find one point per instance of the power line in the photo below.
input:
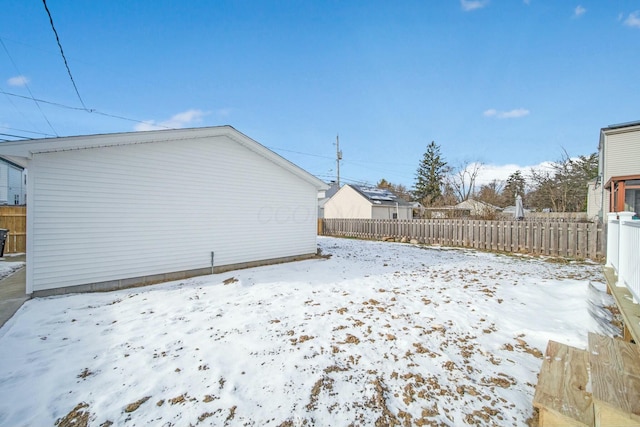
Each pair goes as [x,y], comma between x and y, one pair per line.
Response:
[127,118]
[299,152]
[62,53]
[86,110]
[28,89]
[48,102]
[14,136]
[27,131]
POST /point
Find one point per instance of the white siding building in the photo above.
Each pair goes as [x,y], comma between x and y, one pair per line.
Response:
[477,208]
[617,187]
[119,210]
[13,188]
[353,201]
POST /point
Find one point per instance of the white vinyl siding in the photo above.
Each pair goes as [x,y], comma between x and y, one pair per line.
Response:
[388,212]
[594,200]
[4,183]
[12,189]
[622,154]
[15,191]
[119,212]
[347,203]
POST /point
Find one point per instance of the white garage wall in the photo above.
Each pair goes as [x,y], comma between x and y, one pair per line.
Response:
[119,212]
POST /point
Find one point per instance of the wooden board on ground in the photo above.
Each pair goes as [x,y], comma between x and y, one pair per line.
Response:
[561,393]
[615,380]
[630,311]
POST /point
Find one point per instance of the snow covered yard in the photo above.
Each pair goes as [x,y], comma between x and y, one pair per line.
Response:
[378,334]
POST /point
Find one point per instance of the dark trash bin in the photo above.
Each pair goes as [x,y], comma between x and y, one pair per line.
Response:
[3,240]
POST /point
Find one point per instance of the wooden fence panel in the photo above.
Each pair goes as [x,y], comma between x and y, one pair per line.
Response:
[14,219]
[572,235]
[593,243]
[518,236]
[581,244]
[478,232]
[564,239]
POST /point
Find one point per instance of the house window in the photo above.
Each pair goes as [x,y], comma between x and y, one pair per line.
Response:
[16,199]
[632,196]
[395,215]
[625,194]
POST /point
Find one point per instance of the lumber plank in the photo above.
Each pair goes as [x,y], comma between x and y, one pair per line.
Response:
[615,376]
[549,418]
[624,300]
[620,355]
[562,394]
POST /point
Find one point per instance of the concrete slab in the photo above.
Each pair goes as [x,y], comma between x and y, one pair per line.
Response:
[12,291]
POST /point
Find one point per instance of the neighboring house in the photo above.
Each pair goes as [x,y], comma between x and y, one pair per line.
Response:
[594,199]
[617,187]
[127,209]
[13,185]
[324,196]
[354,201]
[477,208]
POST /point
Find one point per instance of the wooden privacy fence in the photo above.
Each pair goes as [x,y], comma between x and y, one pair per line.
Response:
[14,219]
[563,239]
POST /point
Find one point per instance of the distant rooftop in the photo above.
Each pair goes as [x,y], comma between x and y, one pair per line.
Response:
[379,196]
[623,125]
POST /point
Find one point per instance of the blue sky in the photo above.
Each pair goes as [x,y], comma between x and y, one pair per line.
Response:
[509,83]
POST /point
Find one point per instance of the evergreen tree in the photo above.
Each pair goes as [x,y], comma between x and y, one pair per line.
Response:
[430,176]
[515,186]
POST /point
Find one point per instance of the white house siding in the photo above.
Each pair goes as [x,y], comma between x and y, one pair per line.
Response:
[12,188]
[347,203]
[4,183]
[16,188]
[112,213]
[594,199]
[621,154]
[388,212]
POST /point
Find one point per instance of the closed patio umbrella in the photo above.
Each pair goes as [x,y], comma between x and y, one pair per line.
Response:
[519,211]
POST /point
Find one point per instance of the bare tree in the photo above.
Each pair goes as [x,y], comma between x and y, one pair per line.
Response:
[398,189]
[462,179]
[491,193]
[563,186]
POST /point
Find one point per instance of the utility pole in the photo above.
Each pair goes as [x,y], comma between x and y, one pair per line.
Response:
[338,158]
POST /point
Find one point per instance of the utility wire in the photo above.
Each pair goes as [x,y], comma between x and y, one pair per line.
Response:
[62,53]
[14,136]
[299,152]
[28,89]
[86,110]
[28,131]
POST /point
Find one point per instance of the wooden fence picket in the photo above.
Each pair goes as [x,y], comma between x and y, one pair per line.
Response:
[551,238]
[14,219]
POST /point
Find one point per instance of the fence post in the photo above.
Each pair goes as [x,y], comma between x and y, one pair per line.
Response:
[624,244]
[612,240]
